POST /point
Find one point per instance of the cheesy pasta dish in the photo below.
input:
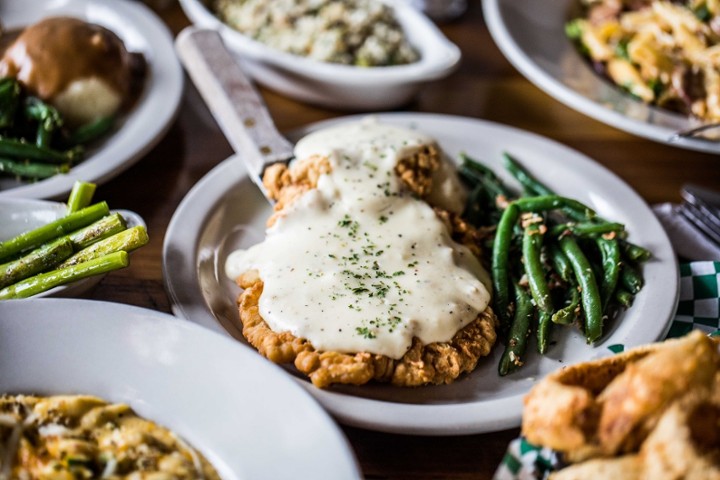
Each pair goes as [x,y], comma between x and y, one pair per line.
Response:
[664,53]
[80,437]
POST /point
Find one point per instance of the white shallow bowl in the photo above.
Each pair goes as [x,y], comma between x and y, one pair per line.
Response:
[225,211]
[241,412]
[18,215]
[151,116]
[340,86]
[531,34]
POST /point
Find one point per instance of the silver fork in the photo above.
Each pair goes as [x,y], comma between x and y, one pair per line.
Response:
[701,207]
[698,132]
[233,101]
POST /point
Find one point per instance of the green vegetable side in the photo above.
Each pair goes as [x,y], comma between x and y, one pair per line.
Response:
[89,240]
[553,260]
[35,143]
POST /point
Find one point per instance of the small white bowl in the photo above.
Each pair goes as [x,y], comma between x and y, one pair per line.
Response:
[18,215]
[339,86]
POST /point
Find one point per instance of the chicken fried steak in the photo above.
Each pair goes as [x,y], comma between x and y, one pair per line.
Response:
[367,272]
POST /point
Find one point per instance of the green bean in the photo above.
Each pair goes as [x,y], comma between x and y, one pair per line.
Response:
[479,167]
[473,177]
[554,202]
[560,262]
[500,271]
[512,357]
[591,302]
[569,313]
[531,249]
[623,297]
[634,252]
[9,99]
[43,258]
[529,183]
[45,281]
[91,131]
[631,278]
[80,195]
[61,226]
[48,118]
[22,150]
[127,240]
[587,228]
[610,252]
[25,169]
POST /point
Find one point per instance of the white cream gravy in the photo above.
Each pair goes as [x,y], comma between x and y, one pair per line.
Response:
[358,264]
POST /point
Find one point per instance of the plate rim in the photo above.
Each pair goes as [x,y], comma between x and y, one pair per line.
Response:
[346,407]
[156,110]
[125,317]
[548,83]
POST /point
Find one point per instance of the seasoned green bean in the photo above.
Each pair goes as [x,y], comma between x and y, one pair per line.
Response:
[587,228]
[610,252]
[22,150]
[554,202]
[520,328]
[9,100]
[571,311]
[535,273]
[591,301]
[37,171]
[500,270]
[531,185]
[92,131]
[631,278]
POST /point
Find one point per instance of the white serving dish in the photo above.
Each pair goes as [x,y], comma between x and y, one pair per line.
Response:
[225,211]
[531,34]
[149,119]
[244,414]
[18,215]
[340,86]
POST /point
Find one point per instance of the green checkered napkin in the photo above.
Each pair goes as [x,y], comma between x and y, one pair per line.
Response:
[698,308]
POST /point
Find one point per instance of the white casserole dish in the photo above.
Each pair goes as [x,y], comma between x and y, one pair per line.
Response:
[339,86]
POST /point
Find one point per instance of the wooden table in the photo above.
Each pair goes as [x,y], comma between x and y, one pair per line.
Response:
[485,86]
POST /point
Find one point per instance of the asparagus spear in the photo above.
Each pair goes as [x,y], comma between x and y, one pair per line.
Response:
[45,281]
[80,196]
[105,227]
[127,240]
[62,226]
[43,258]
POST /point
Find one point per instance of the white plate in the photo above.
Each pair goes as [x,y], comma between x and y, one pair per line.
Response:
[151,117]
[225,211]
[334,85]
[237,409]
[18,215]
[531,34]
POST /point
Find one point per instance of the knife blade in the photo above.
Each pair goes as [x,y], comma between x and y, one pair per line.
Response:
[233,101]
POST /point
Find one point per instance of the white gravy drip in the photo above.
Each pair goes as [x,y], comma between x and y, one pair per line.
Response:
[358,264]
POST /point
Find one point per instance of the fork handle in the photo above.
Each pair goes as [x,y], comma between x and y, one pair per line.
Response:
[232,99]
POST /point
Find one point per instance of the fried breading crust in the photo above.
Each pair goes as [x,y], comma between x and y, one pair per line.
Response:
[608,406]
[436,363]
